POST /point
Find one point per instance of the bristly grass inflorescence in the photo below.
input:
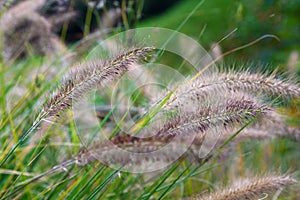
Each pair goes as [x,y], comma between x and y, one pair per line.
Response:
[252,188]
[88,76]
[233,82]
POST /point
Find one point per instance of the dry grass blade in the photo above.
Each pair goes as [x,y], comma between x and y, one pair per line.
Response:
[253,188]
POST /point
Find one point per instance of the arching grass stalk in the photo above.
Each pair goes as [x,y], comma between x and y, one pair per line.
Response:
[78,82]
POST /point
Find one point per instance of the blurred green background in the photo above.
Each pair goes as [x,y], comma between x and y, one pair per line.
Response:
[215,19]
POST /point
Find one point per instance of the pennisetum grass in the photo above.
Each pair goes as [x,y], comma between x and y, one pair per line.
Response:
[226,103]
[177,130]
[269,125]
[276,124]
[259,83]
[180,129]
[225,115]
[88,76]
[252,188]
[221,113]
[221,83]
[230,112]
[80,80]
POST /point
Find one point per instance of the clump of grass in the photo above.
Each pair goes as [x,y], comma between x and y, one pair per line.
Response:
[222,115]
[26,33]
[79,82]
[223,107]
[225,114]
[178,131]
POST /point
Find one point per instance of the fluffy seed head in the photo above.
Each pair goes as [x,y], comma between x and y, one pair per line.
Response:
[87,76]
[252,188]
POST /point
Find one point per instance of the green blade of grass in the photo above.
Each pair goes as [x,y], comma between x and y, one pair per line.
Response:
[153,188]
[102,185]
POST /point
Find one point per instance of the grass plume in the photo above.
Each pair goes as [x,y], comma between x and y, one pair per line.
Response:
[232,82]
[86,77]
[259,83]
[252,188]
[230,112]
